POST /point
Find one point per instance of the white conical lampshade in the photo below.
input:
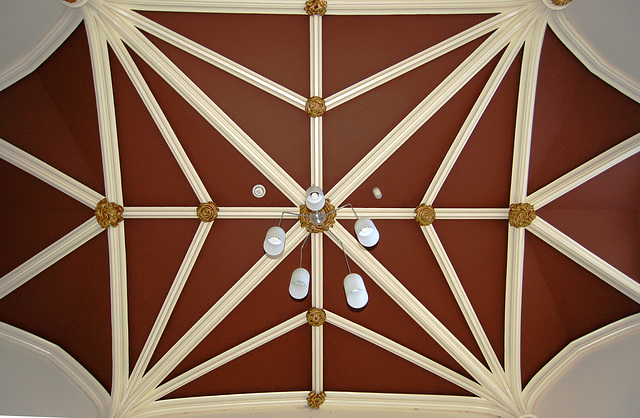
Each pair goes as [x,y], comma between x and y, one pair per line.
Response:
[355,291]
[367,232]
[315,198]
[274,242]
[299,284]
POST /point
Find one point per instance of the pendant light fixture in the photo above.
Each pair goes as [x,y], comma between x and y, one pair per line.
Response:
[365,231]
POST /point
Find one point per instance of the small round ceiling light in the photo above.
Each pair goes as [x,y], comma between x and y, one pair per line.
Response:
[377,193]
[259,191]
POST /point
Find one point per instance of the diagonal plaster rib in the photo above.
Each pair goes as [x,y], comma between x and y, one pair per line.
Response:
[159,118]
[203,104]
[585,172]
[427,108]
[49,256]
[51,176]
[211,57]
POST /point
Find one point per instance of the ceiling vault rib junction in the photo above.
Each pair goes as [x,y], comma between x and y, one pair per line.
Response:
[168,305]
[421,315]
[211,319]
[159,117]
[204,105]
[113,191]
[464,304]
[591,262]
[211,57]
[518,193]
[419,59]
[427,108]
[585,172]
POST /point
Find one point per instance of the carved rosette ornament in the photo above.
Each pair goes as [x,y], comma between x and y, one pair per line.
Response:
[316,317]
[315,106]
[315,7]
[556,4]
[425,214]
[328,223]
[521,214]
[108,214]
[314,400]
[74,3]
[207,212]
[561,2]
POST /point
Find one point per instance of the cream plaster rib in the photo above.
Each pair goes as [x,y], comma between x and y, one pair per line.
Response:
[47,257]
[48,174]
[159,118]
[419,59]
[427,108]
[219,6]
[585,258]
[409,355]
[392,7]
[211,57]
[585,172]
[170,302]
[472,120]
[464,303]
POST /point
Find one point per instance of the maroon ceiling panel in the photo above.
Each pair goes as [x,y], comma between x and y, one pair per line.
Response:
[356,47]
[602,215]
[481,177]
[40,215]
[276,47]
[478,252]
[577,115]
[68,304]
[354,128]
[54,119]
[155,250]
[404,251]
[277,127]
[283,364]
[355,365]
[561,302]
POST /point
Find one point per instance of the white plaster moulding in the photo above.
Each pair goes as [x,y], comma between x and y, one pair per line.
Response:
[212,404]
[135,212]
[572,353]
[513,308]
[317,300]
[417,311]
[472,213]
[399,7]
[50,255]
[586,258]
[464,304]
[472,120]
[159,118]
[427,108]
[211,319]
[221,6]
[224,358]
[211,57]
[418,59]
[105,106]
[60,31]
[526,105]
[579,46]
[169,303]
[203,104]
[408,354]
[315,59]
[49,175]
[62,360]
[585,172]
[397,401]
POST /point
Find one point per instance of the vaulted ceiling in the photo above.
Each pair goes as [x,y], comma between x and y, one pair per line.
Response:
[468,107]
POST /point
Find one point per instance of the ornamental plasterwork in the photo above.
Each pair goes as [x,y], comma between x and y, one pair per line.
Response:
[207,212]
[328,223]
[521,214]
[316,317]
[425,214]
[108,213]
[315,7]
[315,107]
[314,400]
[561,2]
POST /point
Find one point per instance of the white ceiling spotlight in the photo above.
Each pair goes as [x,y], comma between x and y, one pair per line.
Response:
[320,218]
[259,191]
